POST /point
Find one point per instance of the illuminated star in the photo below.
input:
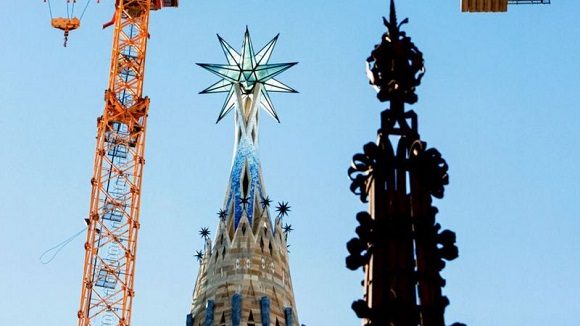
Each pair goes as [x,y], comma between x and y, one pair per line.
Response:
[204,232]
[246,70]
[282,209]
[198,255]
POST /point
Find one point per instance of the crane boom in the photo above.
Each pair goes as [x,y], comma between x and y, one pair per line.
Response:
[113,222]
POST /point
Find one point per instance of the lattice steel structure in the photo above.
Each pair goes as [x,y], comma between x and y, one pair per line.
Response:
[529,2]
[399,244]
[113,222]
[495,5]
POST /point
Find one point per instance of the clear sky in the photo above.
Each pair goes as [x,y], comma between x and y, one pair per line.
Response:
[499,100]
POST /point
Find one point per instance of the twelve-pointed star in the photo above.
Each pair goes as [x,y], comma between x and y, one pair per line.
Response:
[246,70]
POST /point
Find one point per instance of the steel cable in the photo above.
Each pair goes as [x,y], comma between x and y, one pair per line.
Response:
[49,9]
[56,249]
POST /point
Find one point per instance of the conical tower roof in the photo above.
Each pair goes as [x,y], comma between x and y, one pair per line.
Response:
[244,276]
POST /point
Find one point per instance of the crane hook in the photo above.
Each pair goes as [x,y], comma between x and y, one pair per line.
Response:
[66,25]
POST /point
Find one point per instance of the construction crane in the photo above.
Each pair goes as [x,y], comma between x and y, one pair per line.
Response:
[113,221]
[495,5]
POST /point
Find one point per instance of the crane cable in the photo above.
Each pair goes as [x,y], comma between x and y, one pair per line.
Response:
[69,12]
[56,249]
[85,9]
[49,8]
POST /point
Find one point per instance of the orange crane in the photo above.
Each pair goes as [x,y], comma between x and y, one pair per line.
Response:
[113,221]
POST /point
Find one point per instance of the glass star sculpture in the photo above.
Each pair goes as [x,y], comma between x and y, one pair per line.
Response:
[246,70]
[247,77]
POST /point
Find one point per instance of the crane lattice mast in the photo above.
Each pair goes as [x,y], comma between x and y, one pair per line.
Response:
[113,222]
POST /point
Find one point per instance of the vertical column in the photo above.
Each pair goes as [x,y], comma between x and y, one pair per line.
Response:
[209,312]
[288,318]
[399,244]
[265,311]
[236,309]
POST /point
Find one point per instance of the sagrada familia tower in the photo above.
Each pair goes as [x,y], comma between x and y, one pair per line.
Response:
[244,276]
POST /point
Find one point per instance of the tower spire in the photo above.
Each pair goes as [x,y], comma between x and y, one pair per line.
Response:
[393,14]
[244,276]
[247,78]
[399,244]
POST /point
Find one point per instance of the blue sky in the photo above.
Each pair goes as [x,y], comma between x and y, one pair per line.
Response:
[499,100]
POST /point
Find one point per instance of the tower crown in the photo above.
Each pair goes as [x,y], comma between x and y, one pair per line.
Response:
[247,78]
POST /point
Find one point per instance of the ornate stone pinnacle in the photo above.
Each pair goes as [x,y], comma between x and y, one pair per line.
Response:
[395,67]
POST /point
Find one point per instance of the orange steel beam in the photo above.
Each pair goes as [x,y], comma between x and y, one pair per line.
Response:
[113,223]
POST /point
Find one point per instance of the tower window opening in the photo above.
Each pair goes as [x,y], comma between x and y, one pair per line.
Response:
[245,182]
[251,319]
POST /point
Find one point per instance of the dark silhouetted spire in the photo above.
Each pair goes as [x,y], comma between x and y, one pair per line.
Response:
[398,241]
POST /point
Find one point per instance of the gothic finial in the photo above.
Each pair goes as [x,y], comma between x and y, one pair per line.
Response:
[283,208]
[400,229]
[266,201]
[395,66]
[287,228]
[204,232]
[393,14]
[198,255]
[222,214]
